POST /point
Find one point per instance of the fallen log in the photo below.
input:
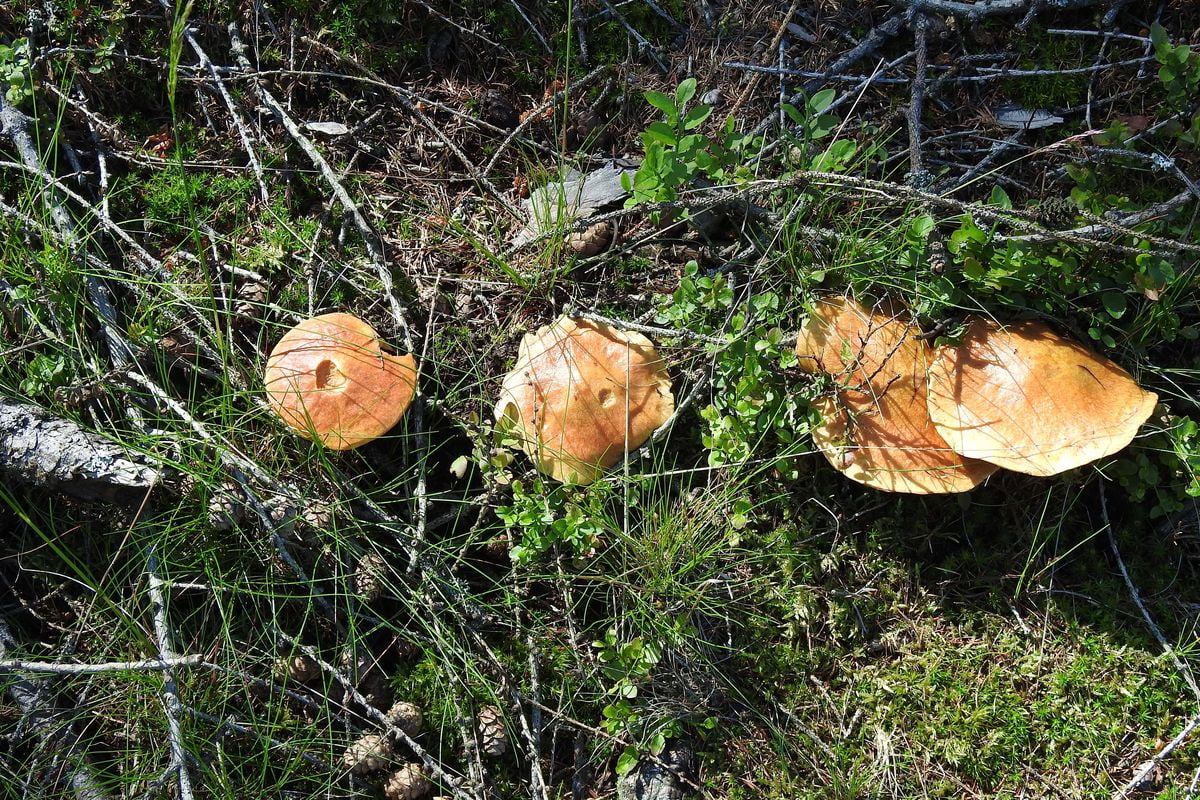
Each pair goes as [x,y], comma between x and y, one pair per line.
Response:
[42,449]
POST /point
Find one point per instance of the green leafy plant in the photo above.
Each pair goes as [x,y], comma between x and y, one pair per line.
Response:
[1164,467]
[542,516]
[676,155]
[14,71]
[1180,70]
[42,373]
[754,402]
[812,125]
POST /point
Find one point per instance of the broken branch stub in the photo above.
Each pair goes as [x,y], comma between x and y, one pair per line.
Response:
[40,448]
[1024,398]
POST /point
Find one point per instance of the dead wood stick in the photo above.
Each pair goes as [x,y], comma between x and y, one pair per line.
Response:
[162,634]
[99,668]
[44,722]
[45,450]
[985,8]
[916,105]
[370,238]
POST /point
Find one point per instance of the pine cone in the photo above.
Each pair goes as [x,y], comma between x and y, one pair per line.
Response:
[368,576]
[407,717]
[186,485]
[591,240]
[282,514]
[492,741]
[297,668]
[369,753]
[251,299]
[225,509]
[317,515]
[407,783]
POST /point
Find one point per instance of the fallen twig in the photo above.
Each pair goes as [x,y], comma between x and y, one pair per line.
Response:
[162,634]
[100,668]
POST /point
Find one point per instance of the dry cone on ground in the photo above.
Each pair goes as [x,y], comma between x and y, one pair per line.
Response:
[877,430]
[369,753]
[329,380]
[407,717]
[490,723]
[581,394]
[1024,398]
[407,783]
[297,668]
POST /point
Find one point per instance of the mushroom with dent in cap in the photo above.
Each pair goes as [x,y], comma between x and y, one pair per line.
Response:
[1022,397]
[877,430]
[582,394]
[329,380]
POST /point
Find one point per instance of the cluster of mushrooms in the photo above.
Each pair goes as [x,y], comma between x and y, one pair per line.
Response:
[906,418]
[580,396]
[912,418]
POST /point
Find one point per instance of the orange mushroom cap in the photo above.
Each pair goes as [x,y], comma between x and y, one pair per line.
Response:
[329,380]
[877,430]
[581,394]
[1024,398]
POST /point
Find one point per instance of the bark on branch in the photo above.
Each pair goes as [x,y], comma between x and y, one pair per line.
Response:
[39,448]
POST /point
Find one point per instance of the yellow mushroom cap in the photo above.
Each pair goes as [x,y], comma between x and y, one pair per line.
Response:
[877,430]
[581,394]
[329,380]
[860,347]
[1025,398]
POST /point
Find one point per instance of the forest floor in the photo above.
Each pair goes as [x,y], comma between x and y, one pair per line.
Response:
[722,614]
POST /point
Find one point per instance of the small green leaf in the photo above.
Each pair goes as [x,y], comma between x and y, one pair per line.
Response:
[663,103]
[921,226]
[820,101]
[685,92]
[696,116]
[823,125]
[659,132]
[1158,36]
[1114,303]
[1000,198]
[627,761]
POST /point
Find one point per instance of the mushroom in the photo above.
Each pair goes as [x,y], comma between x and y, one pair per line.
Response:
[877,429]
[582,394]
[329,379]
[1022,397]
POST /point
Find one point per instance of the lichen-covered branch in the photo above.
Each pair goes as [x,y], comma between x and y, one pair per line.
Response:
[40,448]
